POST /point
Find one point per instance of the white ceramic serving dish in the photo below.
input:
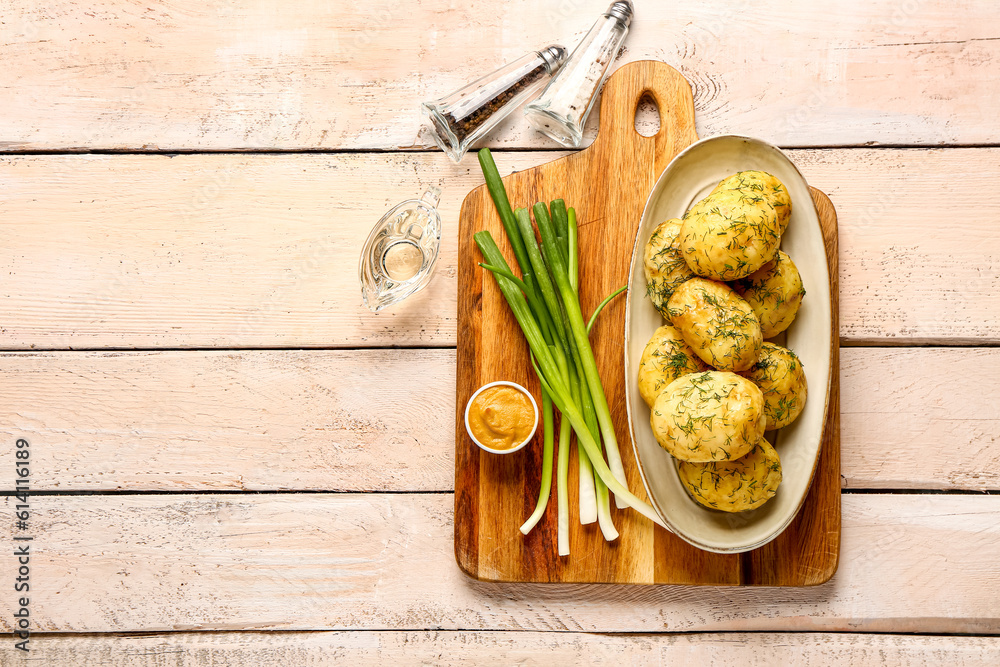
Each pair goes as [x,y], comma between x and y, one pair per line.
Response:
[688,178]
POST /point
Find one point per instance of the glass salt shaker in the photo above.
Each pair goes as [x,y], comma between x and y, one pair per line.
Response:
[464,116]
[399,256]
[561,111]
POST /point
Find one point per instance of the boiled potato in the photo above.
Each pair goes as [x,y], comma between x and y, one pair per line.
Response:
[779,374]
[665,266]
[774,292]
[734,486]
[762,184]
[719,326]
[729,235]
[710,416]
[666,358]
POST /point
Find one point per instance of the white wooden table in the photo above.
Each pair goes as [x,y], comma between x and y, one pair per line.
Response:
[232,462]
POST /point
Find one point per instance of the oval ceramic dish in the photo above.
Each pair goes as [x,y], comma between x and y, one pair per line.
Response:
[688,178]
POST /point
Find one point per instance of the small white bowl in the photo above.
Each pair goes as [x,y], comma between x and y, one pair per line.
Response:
[505,383]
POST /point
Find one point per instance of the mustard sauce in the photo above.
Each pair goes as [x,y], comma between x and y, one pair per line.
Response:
[501,417]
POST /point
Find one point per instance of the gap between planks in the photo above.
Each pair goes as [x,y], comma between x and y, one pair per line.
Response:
[417,150]
[292,492]
[881,344]
[524,648]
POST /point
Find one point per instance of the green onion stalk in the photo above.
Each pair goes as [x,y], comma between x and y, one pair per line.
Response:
[545,489]
[558,339]
[565,221]
[562,488]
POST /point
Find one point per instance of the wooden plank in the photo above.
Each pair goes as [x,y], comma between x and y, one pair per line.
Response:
[371,420]
[266,420]
[455,649]
[183,74]
[261,250]
[213,250]
[918,418]
[913,563]
[903,274]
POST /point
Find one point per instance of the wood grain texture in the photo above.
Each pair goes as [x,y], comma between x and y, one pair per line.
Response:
[492,492]
[183,74]
[890,275]
[160,421]
[530,649]
[896,409]
[362,421]
[239,251]
[261,250]
[917,563]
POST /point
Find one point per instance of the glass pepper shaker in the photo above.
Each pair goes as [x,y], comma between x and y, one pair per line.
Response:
[464,116]
[561,111]
[399,256]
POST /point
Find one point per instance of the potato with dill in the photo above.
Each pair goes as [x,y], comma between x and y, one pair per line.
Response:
[664,264]
[665,358]
[734,486]
[781,378]
[730,234]
[768,186]
[710,416]
[719,326]
[774,292]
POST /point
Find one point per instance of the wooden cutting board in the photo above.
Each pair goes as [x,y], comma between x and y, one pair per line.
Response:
[608,184]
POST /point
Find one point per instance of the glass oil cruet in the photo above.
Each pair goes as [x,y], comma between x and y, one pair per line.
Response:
[399,255]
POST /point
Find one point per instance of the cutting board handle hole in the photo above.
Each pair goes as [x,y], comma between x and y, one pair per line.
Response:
[647,116]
